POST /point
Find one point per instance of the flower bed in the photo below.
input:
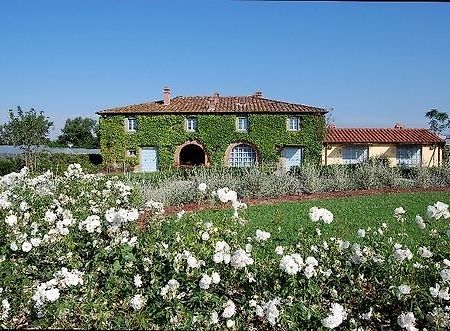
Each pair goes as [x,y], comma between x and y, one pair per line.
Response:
[72,256]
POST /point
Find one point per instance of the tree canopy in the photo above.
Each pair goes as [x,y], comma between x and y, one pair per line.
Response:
[79,132]
[439,121]
[28,130]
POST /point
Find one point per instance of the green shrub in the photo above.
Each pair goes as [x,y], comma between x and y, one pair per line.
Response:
[11,164]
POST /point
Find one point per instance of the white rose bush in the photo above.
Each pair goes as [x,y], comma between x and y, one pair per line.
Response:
[84,251]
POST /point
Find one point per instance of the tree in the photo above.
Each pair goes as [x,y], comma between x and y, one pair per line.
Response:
[439,121]
[28,130]
[80,132]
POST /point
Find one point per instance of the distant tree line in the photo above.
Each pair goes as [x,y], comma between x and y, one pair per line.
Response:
[30,129]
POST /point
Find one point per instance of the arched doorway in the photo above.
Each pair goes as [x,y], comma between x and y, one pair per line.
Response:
[191,154]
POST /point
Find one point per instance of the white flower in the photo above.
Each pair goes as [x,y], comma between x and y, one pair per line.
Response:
[367,316]
[229,309]
[240,259]
[271,311]
[438,292]
[361,233]
[225,194]
[202,187]
[205,281]
[214,319]
[445,274]
[52,294]
[399,212]
[13,246]
[26,246]
[205,236]
[317,214]
[248,248]
[11,220]
[35,241]
[137,280]
[192,262]
[289,265]
[336,317]
[279,250]
[262,235]
[438,210]
[215,277]
[137,302]
[222,253]
[402,254]
[404,289]
[23,206]
[309,271]
[425,252]
[311,260]
[407,321]
[419,222]
[6,308]
[230,324]
[180,214]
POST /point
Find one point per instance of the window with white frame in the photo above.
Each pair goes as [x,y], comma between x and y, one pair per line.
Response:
[131,124]
[293,123]
[409,155]
[354,154]
[191,124]
[242,123]
[242,155]
[131,153]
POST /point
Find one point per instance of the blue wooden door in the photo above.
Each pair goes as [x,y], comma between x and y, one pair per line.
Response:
[148,159]
[293,156]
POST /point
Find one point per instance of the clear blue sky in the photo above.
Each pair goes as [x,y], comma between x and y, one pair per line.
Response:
[375,63]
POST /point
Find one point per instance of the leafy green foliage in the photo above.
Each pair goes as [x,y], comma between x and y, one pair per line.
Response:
[216,132]
[439,121]
[28,130]
[79,132]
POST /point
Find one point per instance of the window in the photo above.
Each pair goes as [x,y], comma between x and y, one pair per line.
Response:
[293,124]
[242,156]
[131,124]
[354,154]
[409,155]
[242,123]
[191,124]
[131,153]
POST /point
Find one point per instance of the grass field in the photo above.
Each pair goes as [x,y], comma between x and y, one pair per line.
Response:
[288,222]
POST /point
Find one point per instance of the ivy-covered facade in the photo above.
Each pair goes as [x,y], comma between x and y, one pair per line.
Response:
[233,131]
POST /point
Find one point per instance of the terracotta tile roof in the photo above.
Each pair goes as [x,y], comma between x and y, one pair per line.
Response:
[386,135]
[211,104]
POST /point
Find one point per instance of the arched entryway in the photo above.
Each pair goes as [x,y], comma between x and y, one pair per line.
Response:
[191,153]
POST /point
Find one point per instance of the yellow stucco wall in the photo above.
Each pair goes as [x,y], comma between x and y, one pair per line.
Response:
[333,155]
[430,157]
[384,151]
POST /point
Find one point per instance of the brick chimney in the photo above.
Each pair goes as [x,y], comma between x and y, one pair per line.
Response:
[166,96]
[216,97]
[257,94]
[398,126]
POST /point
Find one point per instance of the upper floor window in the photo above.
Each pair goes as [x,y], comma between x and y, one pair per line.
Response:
[242,123]
[242,155]
[131,153]
[293,123]
[354,154]
[409,155]
[131,124]
[191,124]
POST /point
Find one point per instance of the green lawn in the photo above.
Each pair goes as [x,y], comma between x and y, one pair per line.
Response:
[288,222]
